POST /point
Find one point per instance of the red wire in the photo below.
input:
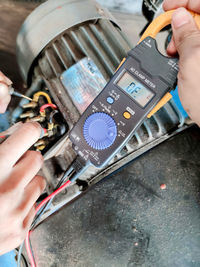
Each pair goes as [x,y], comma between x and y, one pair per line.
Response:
[28,249]
[27,240]
[47,106]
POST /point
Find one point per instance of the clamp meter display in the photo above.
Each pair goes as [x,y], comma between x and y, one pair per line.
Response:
[144,78]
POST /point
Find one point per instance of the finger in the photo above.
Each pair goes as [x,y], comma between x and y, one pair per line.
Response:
[4,91]
[31,193]
[187,41]
[185,32]
[25,169]
[4,104]
[12,129]
[192,5]
[5,79]
[171,49]
[29,219]
[9,243]
[17,144]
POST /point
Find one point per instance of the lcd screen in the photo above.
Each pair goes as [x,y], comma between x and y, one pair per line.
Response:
[135,89]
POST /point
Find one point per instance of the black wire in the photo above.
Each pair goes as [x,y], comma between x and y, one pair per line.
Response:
[20,256]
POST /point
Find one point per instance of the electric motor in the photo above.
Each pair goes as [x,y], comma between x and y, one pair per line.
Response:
[67,50]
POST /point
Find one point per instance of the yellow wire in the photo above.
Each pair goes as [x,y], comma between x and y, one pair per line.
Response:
[40,93]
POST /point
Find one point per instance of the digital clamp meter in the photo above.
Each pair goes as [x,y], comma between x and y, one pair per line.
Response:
[139,88]
[144,78]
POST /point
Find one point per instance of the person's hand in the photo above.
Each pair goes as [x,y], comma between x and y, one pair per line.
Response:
[20,186]
[4,92]
[186,41]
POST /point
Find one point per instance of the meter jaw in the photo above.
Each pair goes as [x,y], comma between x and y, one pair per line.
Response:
[154,28]
[160,104]
[156,66]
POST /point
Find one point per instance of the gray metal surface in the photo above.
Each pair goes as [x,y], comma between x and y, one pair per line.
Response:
[100,41]
[127,220]
[48,21]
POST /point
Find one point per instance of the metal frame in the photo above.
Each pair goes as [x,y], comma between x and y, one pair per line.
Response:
[48,21]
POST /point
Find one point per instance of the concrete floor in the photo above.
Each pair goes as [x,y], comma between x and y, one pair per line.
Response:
[126,220]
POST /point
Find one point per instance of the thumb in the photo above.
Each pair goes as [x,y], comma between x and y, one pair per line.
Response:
[185,31]
[4,97]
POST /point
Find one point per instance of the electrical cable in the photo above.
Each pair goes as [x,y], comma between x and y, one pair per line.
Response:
[68,173]
[47,201]
[44,205]
[19,256]
[52,114]
[72,174]
[27,240]
[42,109]
[40,93]
[48,204]
[44,132]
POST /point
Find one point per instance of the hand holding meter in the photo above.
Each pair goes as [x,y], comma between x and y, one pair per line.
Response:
[138,89]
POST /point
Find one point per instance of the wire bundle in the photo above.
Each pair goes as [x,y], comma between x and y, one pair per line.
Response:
[27,240]
[39,212]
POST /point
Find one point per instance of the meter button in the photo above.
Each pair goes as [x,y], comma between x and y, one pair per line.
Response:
[127,115]
[110,100]
[100,131]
